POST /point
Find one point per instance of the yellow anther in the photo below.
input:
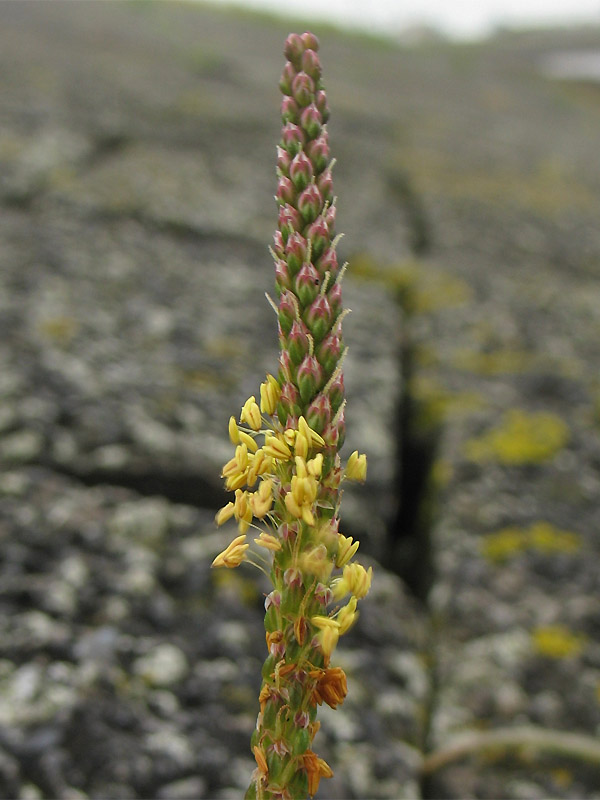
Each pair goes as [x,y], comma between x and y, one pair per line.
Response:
[233,555]
[301,445]
[262,500]
[301,470]
[257,466]
[347,616]
[230,468]
[311,435]
[234,432]
[235,482]
[292,506]
[277,449]
[243,510]
[356,468]
[322,622]
[290,436]
[316,562]
[346,549]
[329,639]
[268,541]
[269,395]
[357,579]
[250,443]
[315,465]
[241,456]
[225,514]
[251,414]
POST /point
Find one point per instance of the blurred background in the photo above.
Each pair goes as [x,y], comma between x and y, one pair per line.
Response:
[137,155]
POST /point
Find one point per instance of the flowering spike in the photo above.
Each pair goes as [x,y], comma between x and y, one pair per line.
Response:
[286,470]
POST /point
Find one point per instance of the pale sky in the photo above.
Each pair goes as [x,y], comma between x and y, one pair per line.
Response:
[461,18]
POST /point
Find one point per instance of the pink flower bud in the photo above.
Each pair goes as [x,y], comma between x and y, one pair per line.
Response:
[329,217]
[286,193]
[301,719]
[287,311]
[277,650]
[301,171]
[321,104]
[310,203]
[310,41]
[318,317]
[295,252]
[294,48]
[292,138]
[292,577]
[287,368]
[318,414]
[331,435]
[283,161]
[328,262]
[272,599]
[329,351]
[337,393]
[310,121]
[288,531]
[287,77]
[278,244]
[310,64]
[334,295]
[289,403]
[289,220]
[318,233]
[282,276]
[289,109]
[297,342]
[325,184]
[309,378]
[307,284]
[323,594]
[318,152]
[303,89]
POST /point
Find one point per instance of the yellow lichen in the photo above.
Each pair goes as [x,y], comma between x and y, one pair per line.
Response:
[541,537]
[557,641]
[419,287]
[521,438]
[61,329]
[495,362]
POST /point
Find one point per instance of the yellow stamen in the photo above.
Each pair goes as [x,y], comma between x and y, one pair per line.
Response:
[277,449]
[312,436]
[251,414]
[315,465]
[233,555]
[356,468]
[268,541]
[234,433]
[346,549]
[347,616]
[224,514]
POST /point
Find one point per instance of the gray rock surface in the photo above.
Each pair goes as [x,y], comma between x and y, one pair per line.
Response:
[137,174]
